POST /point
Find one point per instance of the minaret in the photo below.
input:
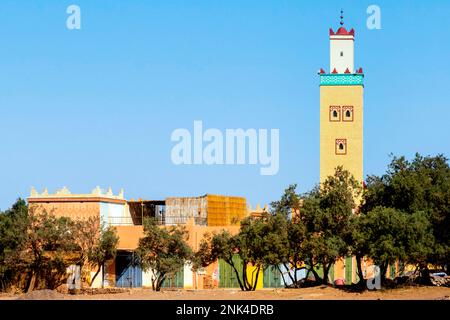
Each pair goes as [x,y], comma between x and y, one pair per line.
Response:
[341,108]
[342,49]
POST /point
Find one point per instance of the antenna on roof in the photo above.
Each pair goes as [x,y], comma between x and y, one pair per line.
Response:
[342,17]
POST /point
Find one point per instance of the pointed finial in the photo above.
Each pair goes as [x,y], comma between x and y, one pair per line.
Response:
[342,17]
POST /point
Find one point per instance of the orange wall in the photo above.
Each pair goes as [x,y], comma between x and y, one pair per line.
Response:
[73,210]
[129,235]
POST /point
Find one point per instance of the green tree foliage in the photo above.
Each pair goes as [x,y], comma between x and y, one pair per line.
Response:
[291,250]
[13,225]
[220,245]
[421,188]
[37,248]
[257,244]
[163,251]
[327,213]
[49,248]
[103,249]
[392,235]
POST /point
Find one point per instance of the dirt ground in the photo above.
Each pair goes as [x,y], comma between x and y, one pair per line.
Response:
[316,293]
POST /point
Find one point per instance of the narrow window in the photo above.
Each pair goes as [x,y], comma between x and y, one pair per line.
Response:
[341,147]
[347,113]
[335,113]
[342,53]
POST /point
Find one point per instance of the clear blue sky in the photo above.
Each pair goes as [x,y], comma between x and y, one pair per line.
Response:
[97,106]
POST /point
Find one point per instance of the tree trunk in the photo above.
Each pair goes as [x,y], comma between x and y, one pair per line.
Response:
[230,262]
[247,285]
[256,279]
[361,282]
[159,282]
[326,270]
[95,276]
[316,275]
[32,282]
[383,269]
[289,273]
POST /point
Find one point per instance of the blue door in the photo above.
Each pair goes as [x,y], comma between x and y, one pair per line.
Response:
[127,274]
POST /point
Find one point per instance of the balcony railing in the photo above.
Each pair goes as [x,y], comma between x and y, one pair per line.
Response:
[167,221]
[119,221]
[177,220]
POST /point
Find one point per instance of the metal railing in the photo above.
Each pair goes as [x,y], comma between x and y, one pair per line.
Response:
[178,220]
[163,221]
[119,221]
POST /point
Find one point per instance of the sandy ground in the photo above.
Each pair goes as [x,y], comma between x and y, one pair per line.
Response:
[316,293]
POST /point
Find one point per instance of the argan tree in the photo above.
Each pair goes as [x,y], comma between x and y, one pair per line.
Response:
[326,213]
[13,226]
[220,245]
[162,250]
[48,249]
[104,248]
[261,242]
[290,233]
[420,187]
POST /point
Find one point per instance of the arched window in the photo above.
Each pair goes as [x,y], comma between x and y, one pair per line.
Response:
[341,146]
[335,113]
[347,112]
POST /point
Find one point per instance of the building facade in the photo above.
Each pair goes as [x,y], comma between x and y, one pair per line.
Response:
[199,215]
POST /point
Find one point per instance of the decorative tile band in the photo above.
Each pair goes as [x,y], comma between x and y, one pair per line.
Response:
[342,79]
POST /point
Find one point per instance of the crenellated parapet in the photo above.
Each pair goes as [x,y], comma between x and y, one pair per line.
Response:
[65,193]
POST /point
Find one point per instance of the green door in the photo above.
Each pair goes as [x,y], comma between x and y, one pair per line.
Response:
[348,270]
[227,275]
[272,278]
[174,281]
[392,275]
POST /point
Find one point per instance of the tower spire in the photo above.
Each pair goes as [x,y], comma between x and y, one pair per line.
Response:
[342,17]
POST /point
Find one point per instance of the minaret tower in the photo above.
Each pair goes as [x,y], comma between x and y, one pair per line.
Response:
[341,108]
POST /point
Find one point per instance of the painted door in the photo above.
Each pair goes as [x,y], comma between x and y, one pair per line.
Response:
[127,274]
[348,270]
[272,278]
[174,281]
[227,275]
[392,275]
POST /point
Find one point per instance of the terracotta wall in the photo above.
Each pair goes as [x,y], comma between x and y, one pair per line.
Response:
[73,210]
[129,235]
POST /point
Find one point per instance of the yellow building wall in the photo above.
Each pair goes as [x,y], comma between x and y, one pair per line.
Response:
[352,131]
[251,277]
[339,269]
